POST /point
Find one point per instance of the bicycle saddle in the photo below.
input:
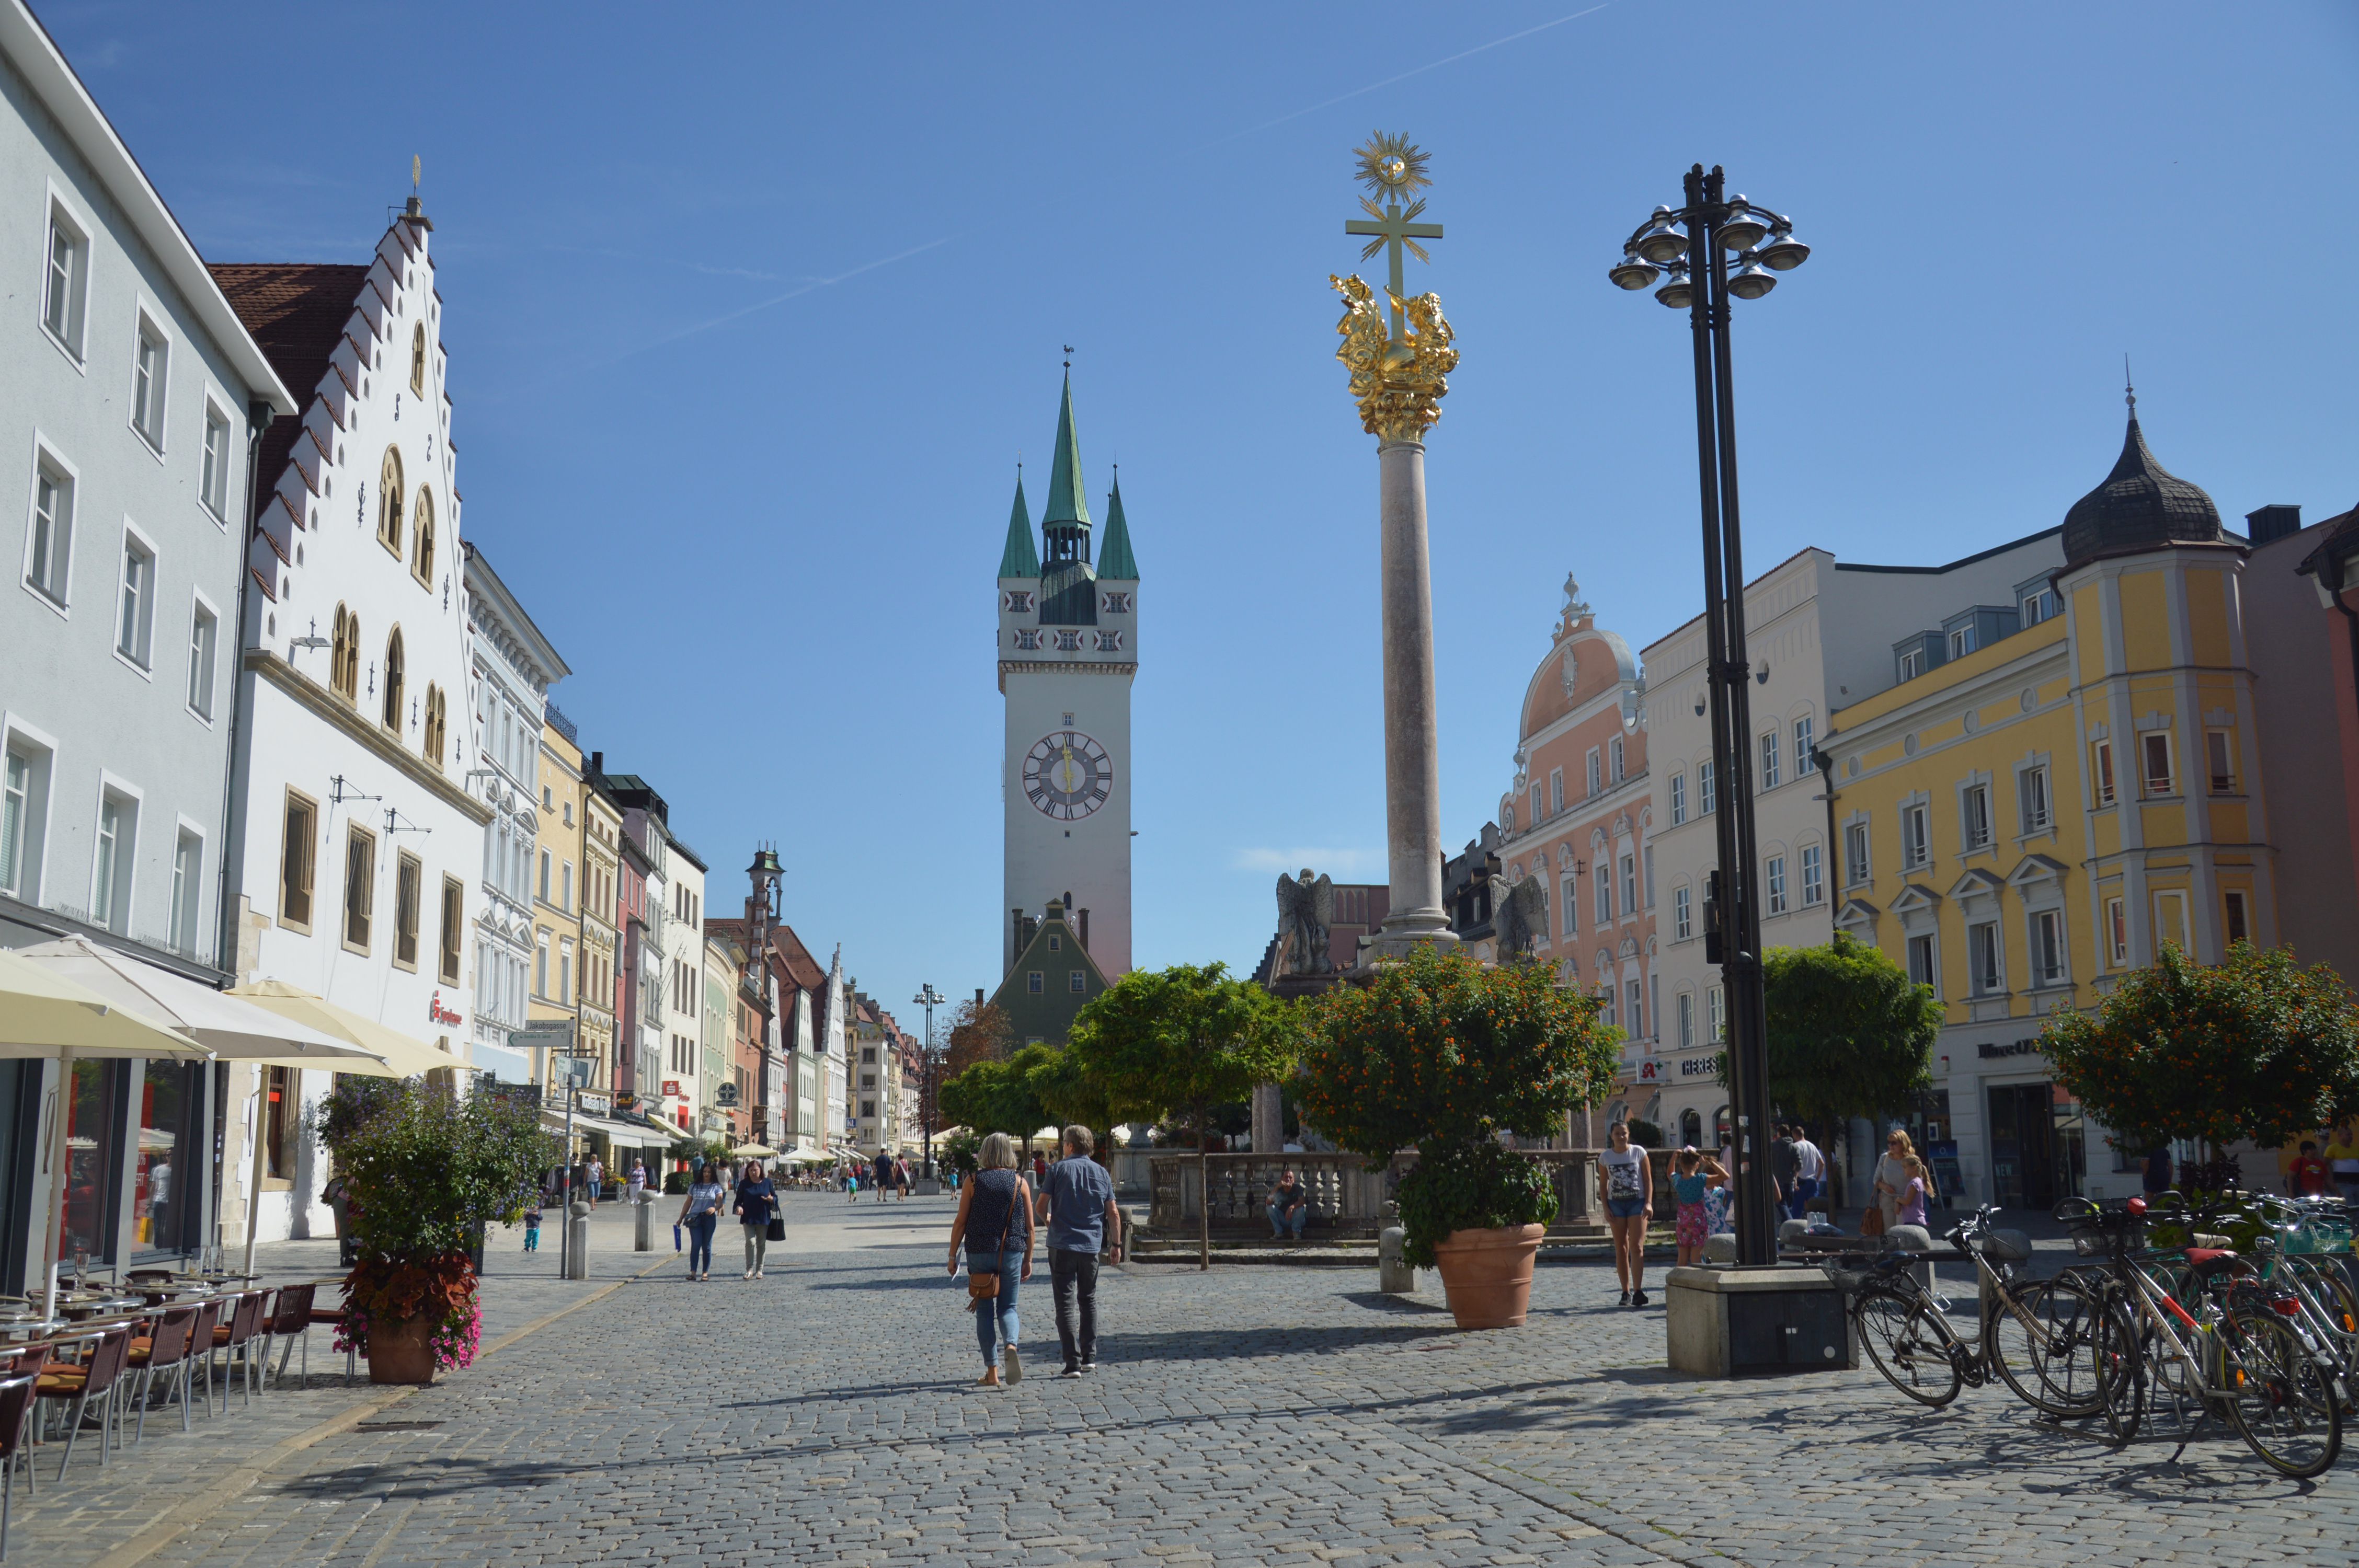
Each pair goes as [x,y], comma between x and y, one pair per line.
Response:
[2208,1262]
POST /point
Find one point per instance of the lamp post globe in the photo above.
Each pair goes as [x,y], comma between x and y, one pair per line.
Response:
[1783,253]
[1743,228]
[1662,243]
[1633,273]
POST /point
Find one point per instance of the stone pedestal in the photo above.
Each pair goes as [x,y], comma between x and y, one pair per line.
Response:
[1412,744]
[1394,1276]
[1734,1323]
[577,1241]
[643,1224]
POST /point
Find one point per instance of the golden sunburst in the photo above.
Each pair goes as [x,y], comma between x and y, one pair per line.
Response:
[1392,166]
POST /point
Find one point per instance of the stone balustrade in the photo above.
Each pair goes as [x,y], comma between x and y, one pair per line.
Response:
[1346,1197]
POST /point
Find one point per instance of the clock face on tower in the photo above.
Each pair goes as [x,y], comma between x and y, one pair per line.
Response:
[1067,775]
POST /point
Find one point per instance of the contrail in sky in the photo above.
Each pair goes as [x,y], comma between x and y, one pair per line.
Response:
[794,293]
[1404,75]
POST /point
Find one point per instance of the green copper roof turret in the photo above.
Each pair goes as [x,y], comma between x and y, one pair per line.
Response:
[1115,560]
[1020,558]
[1068,501]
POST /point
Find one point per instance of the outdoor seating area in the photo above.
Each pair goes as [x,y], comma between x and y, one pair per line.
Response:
[108,1354]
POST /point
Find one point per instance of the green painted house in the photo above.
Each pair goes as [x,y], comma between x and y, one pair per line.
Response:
[1053,975]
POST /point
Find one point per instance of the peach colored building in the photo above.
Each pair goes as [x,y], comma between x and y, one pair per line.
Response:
[1578,818]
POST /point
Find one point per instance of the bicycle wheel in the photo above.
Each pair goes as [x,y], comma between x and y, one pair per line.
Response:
[2046,1345]
[1909,1345]
[2331,1288]
[2281,1401]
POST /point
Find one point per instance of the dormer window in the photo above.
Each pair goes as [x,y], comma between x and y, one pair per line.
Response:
[1116,604]
[1020,601]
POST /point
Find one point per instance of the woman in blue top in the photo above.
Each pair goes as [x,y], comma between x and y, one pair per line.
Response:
[994,1220]
[701,1211]
[757,1200]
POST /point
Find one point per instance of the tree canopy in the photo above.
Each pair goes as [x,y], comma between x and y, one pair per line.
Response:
[1158,1043]
[2253,1047]
[1001,1095]
[1849,1036]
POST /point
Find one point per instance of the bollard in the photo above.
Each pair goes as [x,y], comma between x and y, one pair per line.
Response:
[643,1224]
[577,1242]
[1394,1276]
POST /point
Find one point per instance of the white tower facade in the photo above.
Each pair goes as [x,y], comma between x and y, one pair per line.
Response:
[1068,649]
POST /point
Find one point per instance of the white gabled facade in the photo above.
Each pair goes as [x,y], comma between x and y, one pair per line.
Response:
[355,867]
[681,1086]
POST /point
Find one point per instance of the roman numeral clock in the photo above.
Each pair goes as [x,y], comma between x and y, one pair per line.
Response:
[1067,775]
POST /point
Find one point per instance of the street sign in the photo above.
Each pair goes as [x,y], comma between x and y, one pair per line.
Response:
[574,1070]
[552,1034]
[726,1096]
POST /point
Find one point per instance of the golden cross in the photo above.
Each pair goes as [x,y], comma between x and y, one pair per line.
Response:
[1394,227]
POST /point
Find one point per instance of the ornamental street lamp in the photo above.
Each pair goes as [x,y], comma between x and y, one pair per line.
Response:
[761,914]
[928,999]
[1693,250]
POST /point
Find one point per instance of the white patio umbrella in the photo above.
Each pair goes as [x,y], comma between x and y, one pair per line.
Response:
[228,1026]
[45,1014]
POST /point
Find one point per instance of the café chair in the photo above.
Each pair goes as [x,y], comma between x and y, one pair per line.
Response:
[16,1427]
[233,1341]
[164,1349]
[95,1378]
[289,1319]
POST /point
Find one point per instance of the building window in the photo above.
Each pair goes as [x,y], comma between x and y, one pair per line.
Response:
[1981,951]
[453,897]
[61,283]
[408,887]
[118,843]
[2031,789]
[1704,791]
[295,857]
[1056,943]
[2101,771]
[1804,744]
[1777,884]
[1078,982]
[388,502]
[421,560]
[1595,775]
[437,723]
[1916,840]
[1679,798]
[1962,642]
[49,550]
[2239,921]
[1036,981]
[1068,641]
[1912,663]
[1629,884]
[1649,854]
[1556,790]
[134,620]
[344,655]
[2171,920]
[565,887]
[213,481]
[541,981]
[1020,601]
[868,1108]
[2154,749]
[24,792]
[1814,878]
[1109,641]
[1715,1014]
[204,636]
[188,891]
[1635,1016]
[1769,759]
[2048,948]
[1569,901]
[2039,606]
[360,886]
[1856,868]
[1921,969]
[1539,814]
[1687,1019]
[1614,748]
[546,861]
[278,1126]
[1682,913]
[151,361]
[1116,604]
[2219,750]
[418,359]
[395,670]
[1605,879]
[2117,932]
[1977,806]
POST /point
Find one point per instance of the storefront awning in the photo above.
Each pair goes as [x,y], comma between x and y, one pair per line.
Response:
[630,1134]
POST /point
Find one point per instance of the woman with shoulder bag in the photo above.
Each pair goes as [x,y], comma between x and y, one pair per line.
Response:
[995,1221]
[757,1209]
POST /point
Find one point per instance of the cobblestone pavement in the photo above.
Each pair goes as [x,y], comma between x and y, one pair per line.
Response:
[825,1415]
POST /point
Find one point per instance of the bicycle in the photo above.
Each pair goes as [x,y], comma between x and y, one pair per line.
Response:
[2292,1269]
[2043,1338]
[2240,1360]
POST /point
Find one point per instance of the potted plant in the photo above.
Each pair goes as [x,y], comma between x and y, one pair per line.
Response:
[424,1171]
[1445,1055]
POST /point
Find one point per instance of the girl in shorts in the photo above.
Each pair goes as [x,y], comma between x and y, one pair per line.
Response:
[1626,1184]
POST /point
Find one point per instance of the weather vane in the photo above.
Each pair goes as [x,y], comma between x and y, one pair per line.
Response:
[1393,169]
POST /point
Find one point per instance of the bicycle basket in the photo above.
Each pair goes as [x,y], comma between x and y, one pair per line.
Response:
[2106,1233]
[2008,1247]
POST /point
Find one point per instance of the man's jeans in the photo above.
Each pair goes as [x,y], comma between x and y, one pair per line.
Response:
[1280,1218]
[1073,1275]
[1805,1188]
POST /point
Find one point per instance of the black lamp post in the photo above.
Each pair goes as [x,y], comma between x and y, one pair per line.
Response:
[761,914]
[1696,247]
[928,999]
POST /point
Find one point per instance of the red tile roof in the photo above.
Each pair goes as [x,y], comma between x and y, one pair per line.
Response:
[295,311]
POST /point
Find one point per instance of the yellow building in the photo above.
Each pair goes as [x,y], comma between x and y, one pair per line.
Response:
[2046,793]
[557,886]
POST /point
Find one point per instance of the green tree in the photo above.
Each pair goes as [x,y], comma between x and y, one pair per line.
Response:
[1160,1041]
[2253,1047]
[1849,1036]
[1442,1054]
[1000,1096]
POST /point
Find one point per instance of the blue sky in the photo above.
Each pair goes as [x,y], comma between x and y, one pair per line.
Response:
[752,309]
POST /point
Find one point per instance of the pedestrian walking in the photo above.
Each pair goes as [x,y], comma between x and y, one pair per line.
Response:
[532,1223]
[884,1175]
[1809,1172]
[1785,1165]
[2307,1176]
[593,1174]
[638,1181]
[1039,1169]
[1077,1205]
[995,1223]
[1694,1178]
[1914,1194]
[902,1178]
[852,1185]
[757,1205]
[701,1211]
[1626,1184]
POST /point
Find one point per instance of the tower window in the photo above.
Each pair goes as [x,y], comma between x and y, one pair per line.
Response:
[1028,642]
[1020,601]
[1109,641]
[1068,641]
[1116,604]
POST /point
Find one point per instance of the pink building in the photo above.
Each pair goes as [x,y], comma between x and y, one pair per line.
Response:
[1577,819]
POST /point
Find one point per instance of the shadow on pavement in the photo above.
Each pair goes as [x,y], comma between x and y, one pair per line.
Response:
[1251,1344]
[1379,1300]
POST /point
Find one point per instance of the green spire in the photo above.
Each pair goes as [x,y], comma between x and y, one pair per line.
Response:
[1020,558]
[1115,560]
[1068,502]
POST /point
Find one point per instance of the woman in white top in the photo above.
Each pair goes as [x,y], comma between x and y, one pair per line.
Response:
[1626,1185]
[1892,1176]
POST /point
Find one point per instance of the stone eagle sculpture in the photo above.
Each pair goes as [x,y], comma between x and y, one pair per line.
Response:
[1306,908]
[1520,917]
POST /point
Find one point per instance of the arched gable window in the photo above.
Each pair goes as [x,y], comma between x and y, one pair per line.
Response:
[437,723]
[344,655]
[418,359]
[421,523]
[391,717]
[389,502]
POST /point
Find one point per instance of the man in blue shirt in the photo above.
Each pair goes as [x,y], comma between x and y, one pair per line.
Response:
[1076,1203]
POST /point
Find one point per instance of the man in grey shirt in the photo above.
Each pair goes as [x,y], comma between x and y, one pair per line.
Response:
[1076,1203]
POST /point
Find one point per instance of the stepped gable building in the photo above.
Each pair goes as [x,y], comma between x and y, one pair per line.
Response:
[356,866]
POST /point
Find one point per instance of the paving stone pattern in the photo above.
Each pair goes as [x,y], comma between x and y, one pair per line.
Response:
[825,1416]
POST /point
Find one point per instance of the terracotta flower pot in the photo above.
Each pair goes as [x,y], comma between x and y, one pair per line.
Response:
[1487,1274]
[402,1350]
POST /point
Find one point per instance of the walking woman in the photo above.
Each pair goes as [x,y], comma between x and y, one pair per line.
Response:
[1892,1176]
[701,1211]
[995,1222]
[1627,1184]
[757,1200]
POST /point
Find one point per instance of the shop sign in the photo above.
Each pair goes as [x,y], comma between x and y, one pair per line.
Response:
[1990,1048]
[1700,1066]
[437,1013]
[597,1104]
[671,1089]
[726,1096]
[1649,1071]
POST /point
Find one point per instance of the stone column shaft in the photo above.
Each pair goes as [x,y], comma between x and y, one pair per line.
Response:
[1412,752]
